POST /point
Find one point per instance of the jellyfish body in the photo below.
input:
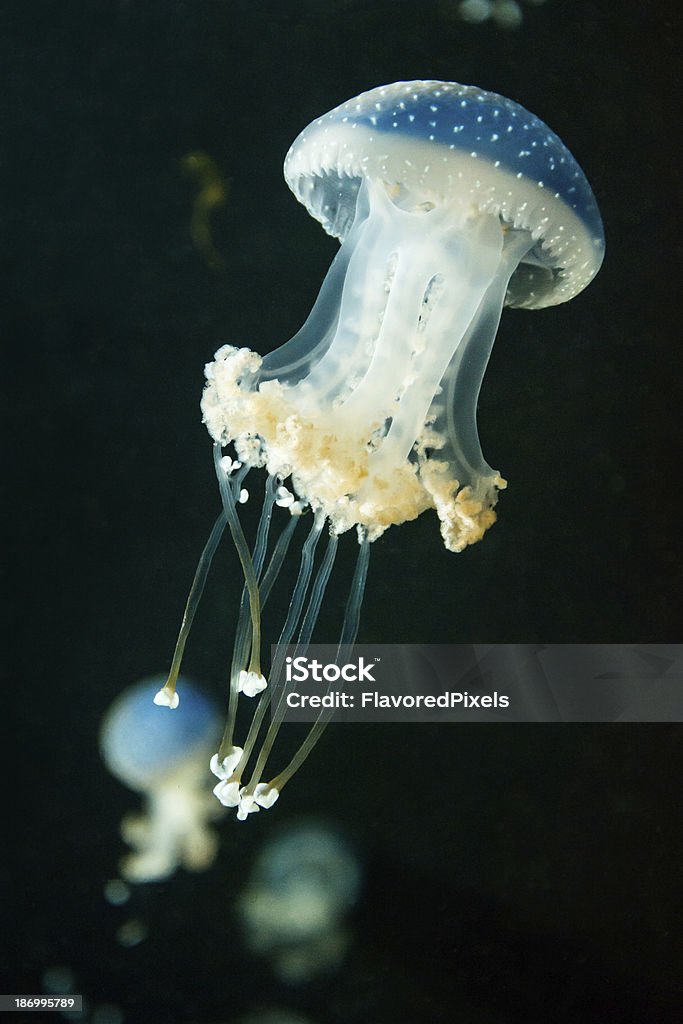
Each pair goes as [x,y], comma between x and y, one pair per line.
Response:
[163,757]
[450,202]
[302,885]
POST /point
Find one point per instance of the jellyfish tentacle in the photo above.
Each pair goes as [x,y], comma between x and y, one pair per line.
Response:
[227,497]
[270,576]
[362,298]
[293,359]
[303,580]
[346,641]
[318,593]
[463,377]
[260,547]
[291,622]
[168,690]
[243,634]
[299,594]
[277,558]
[356,594]
[295,612]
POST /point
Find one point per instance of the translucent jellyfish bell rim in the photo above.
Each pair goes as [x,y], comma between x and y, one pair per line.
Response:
[446,142]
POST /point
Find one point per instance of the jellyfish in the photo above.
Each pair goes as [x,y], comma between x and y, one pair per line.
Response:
[449,202]
[164,757]
[302,885]
[505,14]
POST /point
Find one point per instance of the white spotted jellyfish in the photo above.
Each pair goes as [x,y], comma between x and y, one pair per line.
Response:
[450,202]
[164,758]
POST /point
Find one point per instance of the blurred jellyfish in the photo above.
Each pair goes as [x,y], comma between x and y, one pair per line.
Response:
[116,892]
[450,202]
[505,14]
[133,931]
[163,757]
[58,980]
[293,908]
[475,11]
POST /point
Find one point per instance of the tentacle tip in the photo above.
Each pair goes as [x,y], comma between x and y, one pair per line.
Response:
[251,683]
[247,802]
[223,769]
[166,698]
[265,794]
[228,792]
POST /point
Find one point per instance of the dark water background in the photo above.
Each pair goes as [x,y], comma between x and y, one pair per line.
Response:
[512,873]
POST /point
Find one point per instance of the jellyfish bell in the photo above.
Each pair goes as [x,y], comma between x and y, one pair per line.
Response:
[449,202]
[163,757]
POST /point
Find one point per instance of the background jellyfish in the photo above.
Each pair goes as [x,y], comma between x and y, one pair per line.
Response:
[449,202]
[163,757]
[505,14]
[302,886]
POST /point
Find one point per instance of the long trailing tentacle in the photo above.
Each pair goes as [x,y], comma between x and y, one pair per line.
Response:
[346,642]
[167,695]
[253,678]
[257,794]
